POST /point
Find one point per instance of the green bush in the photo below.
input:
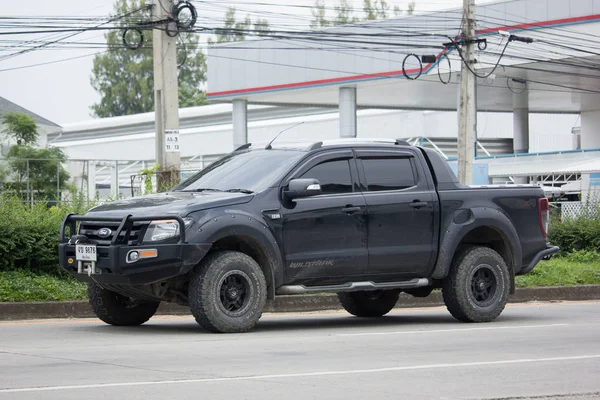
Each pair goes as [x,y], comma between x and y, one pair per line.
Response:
[28,285]
[29,234]
[581,234]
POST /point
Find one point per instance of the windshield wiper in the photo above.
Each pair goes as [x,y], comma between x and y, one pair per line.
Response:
[245,191]
[201,190]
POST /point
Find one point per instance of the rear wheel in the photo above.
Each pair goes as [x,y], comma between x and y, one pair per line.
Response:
[116,309]
[227,292]
[369,304]
[477,286]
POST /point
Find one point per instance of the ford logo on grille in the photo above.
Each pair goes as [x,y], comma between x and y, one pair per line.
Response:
[104,232]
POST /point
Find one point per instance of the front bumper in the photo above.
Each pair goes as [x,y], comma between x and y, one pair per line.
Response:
[111,267]
[172,260]
[538,257]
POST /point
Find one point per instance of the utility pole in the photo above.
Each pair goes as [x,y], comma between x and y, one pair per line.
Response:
[467,106]
[166,97]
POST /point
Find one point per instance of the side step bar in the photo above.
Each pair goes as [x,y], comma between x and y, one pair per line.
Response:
[353,287]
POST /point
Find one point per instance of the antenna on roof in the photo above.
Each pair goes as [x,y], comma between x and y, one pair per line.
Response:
[269,147]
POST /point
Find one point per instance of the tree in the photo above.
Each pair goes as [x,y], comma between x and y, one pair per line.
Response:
[124,78]
[377,9]
[344,14]
[39,170]
[319,18]
[372,10]
[234,31]
[21,127]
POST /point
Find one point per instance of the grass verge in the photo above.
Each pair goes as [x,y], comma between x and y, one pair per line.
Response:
[27,285]
[578,268]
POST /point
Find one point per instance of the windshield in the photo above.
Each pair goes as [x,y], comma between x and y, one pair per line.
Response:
[248,170]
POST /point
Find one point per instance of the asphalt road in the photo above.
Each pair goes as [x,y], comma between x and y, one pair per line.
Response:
[532,351]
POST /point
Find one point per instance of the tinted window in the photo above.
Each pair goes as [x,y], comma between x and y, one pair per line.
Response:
[255,170]
[334,176]
[388,173]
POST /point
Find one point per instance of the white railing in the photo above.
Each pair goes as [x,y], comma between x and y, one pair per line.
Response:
[575,209]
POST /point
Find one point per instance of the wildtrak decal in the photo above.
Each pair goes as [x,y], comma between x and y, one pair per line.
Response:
[310,264]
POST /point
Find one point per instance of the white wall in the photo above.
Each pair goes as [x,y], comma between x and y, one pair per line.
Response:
[547,132]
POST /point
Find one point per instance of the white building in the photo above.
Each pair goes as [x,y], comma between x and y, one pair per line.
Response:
[273,84]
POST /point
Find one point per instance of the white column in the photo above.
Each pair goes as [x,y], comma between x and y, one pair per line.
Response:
[521,123]
[590,139]
[91,180]
[240,123]
[521,128]
[114,181]
[347,108]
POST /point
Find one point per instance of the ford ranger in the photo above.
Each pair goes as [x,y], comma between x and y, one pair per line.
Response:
[364,219]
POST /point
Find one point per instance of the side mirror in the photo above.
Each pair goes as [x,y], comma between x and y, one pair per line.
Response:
[299,188]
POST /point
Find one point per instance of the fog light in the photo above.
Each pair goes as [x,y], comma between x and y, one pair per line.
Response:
[133,256]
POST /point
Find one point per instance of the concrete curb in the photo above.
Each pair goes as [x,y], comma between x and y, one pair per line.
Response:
[81,309]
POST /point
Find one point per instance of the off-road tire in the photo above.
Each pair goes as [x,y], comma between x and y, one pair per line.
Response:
[369,304]
[116,309]
[463,295]
[217,277]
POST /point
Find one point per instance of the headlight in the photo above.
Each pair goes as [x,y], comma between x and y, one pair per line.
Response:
[165,229]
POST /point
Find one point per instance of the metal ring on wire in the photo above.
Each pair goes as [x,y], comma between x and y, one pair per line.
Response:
[178,8]
[449,69]
[133,46]
[482,45]
[404,67]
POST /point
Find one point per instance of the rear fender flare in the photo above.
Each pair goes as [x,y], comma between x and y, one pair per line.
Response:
[481,217]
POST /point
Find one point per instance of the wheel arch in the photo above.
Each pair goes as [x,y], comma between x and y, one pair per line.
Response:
[254,248]
[487,227]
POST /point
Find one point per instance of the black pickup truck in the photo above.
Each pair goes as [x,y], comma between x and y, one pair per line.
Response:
[364,219]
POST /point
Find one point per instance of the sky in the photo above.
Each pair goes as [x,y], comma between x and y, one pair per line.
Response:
[61,91]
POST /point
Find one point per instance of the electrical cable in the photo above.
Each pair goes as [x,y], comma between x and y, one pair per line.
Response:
[404,67]
[444,55]
[466,63]
[518,81]
[135,45]
[178,9]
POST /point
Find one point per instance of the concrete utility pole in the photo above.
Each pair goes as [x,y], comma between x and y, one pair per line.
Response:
[467,106]
[166,98]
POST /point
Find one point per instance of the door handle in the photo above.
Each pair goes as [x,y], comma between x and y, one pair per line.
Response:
[351,209]
[418,204]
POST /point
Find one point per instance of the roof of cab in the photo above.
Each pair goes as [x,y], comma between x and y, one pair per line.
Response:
[309,146]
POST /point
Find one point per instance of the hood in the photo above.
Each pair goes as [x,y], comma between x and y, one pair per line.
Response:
[172,203]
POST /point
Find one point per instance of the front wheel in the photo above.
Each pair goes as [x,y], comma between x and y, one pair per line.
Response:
[369,304]
[477,286]
[116,309]
[227,292]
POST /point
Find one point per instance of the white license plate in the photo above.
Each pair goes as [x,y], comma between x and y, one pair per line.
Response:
[85,252]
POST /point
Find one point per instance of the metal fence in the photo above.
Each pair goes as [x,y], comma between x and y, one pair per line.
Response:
[51,181]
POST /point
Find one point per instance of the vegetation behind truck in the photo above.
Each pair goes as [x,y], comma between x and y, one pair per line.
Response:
[365,220]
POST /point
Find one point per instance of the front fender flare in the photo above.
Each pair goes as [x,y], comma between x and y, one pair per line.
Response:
[239,223]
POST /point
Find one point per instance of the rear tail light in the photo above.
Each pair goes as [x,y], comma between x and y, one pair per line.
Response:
[544,215]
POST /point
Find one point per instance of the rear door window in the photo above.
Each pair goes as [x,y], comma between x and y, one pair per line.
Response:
[388,173]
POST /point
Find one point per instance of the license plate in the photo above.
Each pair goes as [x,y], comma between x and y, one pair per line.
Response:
[85,252]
